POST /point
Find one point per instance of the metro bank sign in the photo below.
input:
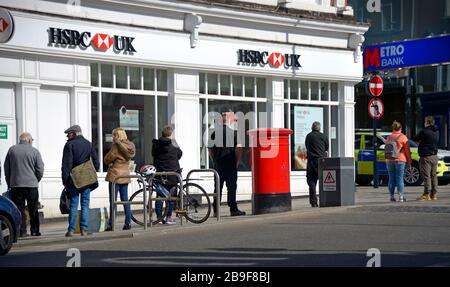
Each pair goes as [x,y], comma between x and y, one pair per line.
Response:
[407,54]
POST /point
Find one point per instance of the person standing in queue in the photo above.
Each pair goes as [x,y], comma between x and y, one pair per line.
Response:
[226,155]
[317,147]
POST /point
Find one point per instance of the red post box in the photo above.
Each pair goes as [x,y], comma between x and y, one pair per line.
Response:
[270,170]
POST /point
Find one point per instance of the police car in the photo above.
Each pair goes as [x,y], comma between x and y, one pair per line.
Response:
[364,160]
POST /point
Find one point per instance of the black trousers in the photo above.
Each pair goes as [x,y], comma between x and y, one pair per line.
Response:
[230,178]
[312,175]
[31,195]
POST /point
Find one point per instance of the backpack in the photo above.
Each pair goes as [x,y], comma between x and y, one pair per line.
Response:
[391,150]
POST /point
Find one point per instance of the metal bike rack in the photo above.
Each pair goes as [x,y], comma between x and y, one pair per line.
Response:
[180,181]
[216,194]
[114,203]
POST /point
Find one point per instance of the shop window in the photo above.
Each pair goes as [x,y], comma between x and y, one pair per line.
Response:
[244,112]
[334,92]
[107,76]
[121,77]
[286,89]
[237,86]
[304,87]
[212,84]
[260,87]
[135,78]
[262,115]
[135,114]
[149,79]
[94,75]
[314,91]
[391,16]
[201,83]
[324,91]
[161,80]
[225,85]
[301,119]
[294,89]
[249,87]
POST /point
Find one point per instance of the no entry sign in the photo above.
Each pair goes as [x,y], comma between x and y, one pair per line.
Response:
[376,108]
[376,85]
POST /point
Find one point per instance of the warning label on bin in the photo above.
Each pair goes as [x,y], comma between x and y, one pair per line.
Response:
[329,180]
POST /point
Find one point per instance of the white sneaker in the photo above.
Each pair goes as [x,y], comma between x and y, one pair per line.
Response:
[402,199]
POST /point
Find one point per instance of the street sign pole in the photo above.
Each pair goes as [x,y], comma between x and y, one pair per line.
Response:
[375,170]
[375,88]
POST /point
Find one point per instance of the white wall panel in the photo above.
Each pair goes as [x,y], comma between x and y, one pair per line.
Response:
[56,71]
[10,67]
[187,131]
[278,115]
[83,76]
[186,81]
[7,109]
[30,110]
[30,69]
[53,118]
[81,110]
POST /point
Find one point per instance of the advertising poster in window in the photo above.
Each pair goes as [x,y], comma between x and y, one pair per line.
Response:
[303,120]
[129,119]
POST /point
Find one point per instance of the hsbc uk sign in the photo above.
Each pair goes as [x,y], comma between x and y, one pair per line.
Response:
[274,59]
[99,41]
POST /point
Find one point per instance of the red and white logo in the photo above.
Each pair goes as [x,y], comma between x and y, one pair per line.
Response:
[102,41]
[376,85]
[6,25]
[3,24]
[276,59]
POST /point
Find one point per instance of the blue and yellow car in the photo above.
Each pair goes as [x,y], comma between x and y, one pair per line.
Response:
[364,160]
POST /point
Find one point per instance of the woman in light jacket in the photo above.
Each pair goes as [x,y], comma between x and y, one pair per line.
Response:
[118,162]
[396,166]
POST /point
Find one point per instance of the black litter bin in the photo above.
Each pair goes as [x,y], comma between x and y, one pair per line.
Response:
[336,181]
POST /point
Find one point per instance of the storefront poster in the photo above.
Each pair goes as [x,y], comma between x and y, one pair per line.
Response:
[3,131]
[303,120]
[129,119]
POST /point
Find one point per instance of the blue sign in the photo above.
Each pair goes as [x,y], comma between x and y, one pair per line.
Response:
[407,53]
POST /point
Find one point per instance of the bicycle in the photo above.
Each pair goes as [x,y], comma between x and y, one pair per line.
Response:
[194,209]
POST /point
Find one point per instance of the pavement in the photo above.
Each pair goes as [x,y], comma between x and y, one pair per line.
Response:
[373,200]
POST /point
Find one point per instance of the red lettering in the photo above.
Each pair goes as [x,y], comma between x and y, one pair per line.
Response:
[371,59]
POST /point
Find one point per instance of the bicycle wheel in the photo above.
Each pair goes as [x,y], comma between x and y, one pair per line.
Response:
[137,211]
[196,203]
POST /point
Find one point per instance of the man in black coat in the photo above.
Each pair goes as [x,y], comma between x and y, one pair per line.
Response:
[226,152]
[77,150]
[428,139]
[166,154]
[317,147]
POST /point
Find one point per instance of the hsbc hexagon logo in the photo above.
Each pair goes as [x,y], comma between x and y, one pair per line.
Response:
[275,59]
[6,25]
[3,24]
[100,41]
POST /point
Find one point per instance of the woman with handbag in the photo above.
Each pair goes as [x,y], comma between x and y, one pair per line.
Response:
[118,162]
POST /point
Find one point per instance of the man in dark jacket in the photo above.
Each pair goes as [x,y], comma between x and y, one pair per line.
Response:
[317,147]
[77,150]
[166,154]
[428,139]
[226,152]
[24,169]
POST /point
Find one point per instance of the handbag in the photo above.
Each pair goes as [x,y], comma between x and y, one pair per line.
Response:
[64,202]
[84,175]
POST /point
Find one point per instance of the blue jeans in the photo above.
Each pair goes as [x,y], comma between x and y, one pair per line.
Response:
[396,172]
[161,191]
[84,201]
[123,190]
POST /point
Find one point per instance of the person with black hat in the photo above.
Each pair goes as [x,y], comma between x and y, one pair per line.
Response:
[77,151]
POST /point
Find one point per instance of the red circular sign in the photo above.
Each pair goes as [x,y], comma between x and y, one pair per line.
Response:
[376,86]
[376,108]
